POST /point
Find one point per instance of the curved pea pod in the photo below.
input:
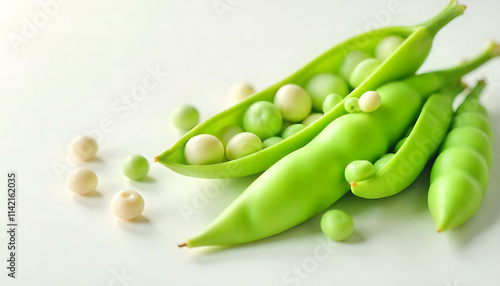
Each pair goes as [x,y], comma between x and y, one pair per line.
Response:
[307,181]
[460,174]
[404,62]
[406,165]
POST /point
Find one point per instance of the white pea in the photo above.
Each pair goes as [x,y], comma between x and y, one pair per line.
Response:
[369,101]
[81,181]
[83,148]
[293,102]
[330,101]
[228,132]
[239,91]
[387,46]
[127,205]
[204,149]
[351,105]
[242,145]
[312,118]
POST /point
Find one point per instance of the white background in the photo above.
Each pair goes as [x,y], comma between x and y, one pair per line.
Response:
[64,79]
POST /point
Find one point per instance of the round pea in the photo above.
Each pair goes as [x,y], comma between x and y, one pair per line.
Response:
[312,118]
[387,46]
[293,102]
[330,101]
[400,144]
[380,163]
[363,70]
[292,129]
[185,117]
[271,141]
[83,148]
[228,132]
[239,91]
[351,105]
[135,167]
[242,145]
[82,181]
[204,149]
[263,119]
[359,170]
[369,101]
[337,225]
[321,85]
[351,61]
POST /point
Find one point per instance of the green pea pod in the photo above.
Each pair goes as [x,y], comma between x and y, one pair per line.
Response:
[309,180]
[404,62]
[409,161]
[460,174]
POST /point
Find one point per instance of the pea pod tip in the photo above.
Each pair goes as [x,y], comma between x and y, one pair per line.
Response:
[184,244]
[156,159]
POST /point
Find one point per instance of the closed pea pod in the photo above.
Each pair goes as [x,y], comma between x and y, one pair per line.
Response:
[309,180]
[409,161]
[402,63]
[459,176]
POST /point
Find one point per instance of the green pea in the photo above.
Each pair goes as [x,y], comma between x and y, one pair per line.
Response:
[380,163]
[292,129]
[135,167]
[359,170]
[271,141]
[312,118]
[293,102]
[363,70]
[185,117]
[330,101]
[352,105]
[387,46]
[337,225]
[400,144]
[242,145]
[263,119]
[321,85]
[350,62]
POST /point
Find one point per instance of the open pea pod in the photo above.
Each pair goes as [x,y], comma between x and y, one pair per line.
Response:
[403,62]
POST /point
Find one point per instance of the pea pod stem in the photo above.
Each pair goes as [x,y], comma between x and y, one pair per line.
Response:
[451,11]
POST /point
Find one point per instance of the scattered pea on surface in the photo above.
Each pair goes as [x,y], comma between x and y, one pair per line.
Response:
[352,105]
[228,132]
[127,205]
[292,129]
[387,46]
[369,101]
[82,181]
[351,61]
[83,148]
[135,167]
[330,101]
[363,70]
[263,119]
[185,117]
[311,118]
[293,102]
[242,145]
[321,85]
[271,141]
[204,149]
[337,225]
[239,91]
